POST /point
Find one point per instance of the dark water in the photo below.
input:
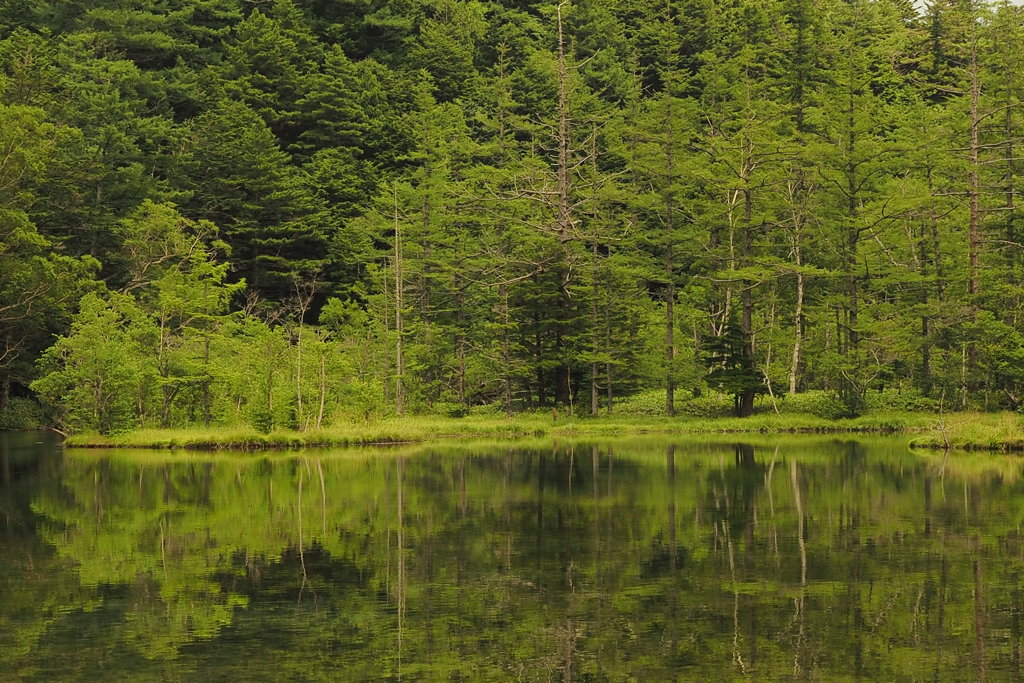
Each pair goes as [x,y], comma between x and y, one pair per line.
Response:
[641,560]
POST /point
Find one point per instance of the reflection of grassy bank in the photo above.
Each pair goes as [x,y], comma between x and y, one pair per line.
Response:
[974,431]
[416,429]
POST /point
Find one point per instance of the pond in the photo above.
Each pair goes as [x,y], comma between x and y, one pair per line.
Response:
[636,559]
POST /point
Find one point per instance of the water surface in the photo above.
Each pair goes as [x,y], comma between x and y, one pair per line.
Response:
[643,559]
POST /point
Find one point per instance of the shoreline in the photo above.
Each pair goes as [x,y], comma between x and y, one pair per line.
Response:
[411,430]
[993,432]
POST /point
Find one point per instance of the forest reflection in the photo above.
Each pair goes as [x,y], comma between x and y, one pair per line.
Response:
[653,559]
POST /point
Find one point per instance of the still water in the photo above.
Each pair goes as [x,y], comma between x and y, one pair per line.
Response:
[651,560]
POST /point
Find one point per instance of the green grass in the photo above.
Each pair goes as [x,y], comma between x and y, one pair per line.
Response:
[1002,432]
[425,428]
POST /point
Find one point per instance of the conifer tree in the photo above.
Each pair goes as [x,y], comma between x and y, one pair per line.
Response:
[239,179]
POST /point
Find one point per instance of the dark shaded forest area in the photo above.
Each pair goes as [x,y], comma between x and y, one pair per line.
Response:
[279,213]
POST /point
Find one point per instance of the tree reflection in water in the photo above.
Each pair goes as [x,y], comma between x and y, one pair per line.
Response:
[651,559]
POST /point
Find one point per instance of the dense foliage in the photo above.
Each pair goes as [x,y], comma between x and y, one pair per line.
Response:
[285,212]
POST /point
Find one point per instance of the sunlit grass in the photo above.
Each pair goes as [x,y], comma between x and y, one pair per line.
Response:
[394,430]
[974,431]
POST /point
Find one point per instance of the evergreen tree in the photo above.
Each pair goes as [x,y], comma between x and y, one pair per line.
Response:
[332,114]
[239,179]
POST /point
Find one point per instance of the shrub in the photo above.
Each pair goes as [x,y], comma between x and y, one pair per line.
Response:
[493,409]
[824,404]
[449,409]
[650,402]
[903,400]
[709,405]
[262,420]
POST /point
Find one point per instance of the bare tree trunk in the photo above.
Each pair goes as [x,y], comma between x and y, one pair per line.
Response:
[565,220]
[974,197]
[460,318]
[305,291]
[796,197]
[670,328]
[298,374]
[608,363]
[670,275]
[506,344]
[506,355]
[794,367]
[562,175]
[746,406]
[206,380]
[399,316]
[323,391]
[973,178]
[595,404]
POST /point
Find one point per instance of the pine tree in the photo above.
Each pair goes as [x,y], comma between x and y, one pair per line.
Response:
[240,180]
[332,114]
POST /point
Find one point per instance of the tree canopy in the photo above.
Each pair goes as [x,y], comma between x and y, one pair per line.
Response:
[285,212]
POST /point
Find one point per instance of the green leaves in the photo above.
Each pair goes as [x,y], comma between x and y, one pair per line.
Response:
[589,191]
[96,375]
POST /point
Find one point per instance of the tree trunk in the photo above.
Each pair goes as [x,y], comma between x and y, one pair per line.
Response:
[608,363]
[207,397]
[974,181]
[794,366]
[565,220]
[399,317]
[323,391]
[595,403]
[460,318]
[670,276]
[746,403]
[506,356]
[797,193]
[974,229]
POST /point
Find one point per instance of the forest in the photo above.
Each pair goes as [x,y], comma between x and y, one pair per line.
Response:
[283,213]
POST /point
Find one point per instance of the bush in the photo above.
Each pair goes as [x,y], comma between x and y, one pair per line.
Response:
[896,399]
[21,413]
[650,402]
[449,409]
[492,409]
[824,404]
[262,420]
[710,405]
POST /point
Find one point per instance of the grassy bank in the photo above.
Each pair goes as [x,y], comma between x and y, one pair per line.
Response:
[425,428]
[1003,432]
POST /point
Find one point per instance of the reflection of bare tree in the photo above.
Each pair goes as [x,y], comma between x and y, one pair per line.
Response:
[673,561]
[799,665]
[595,475]
[737,657]
[323,497]
[400,466]
[507,508]
[979,612]
[771,505]
[567,637]
[1015,630]
[302,555]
